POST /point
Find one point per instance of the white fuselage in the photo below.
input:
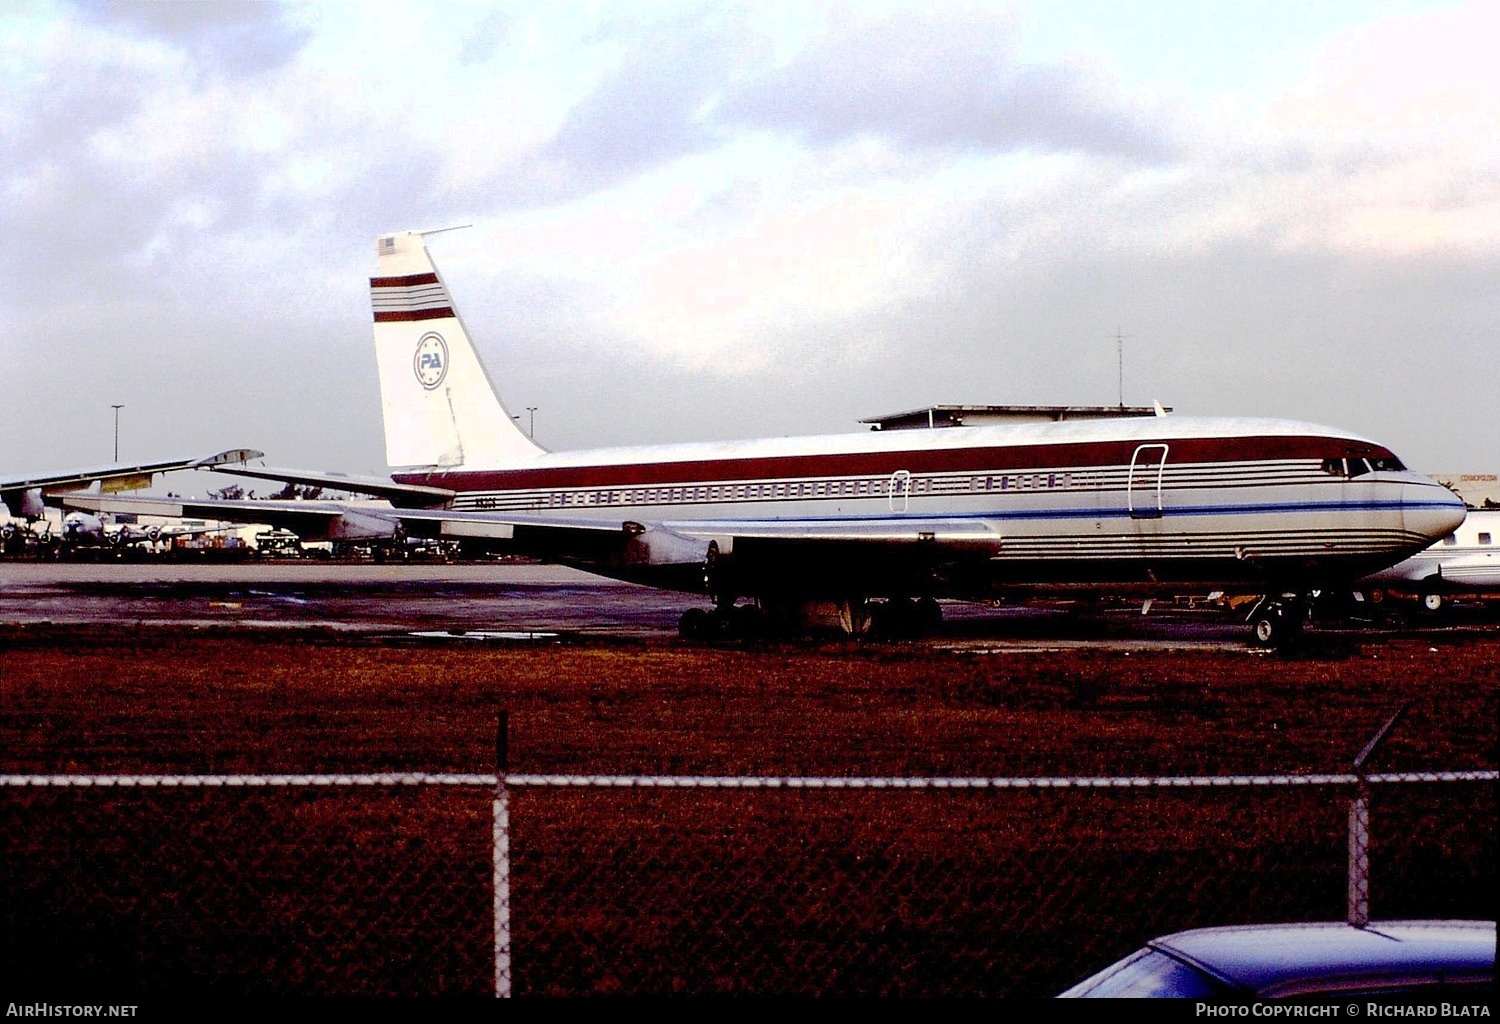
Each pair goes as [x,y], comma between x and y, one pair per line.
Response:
[1136,501]
[1468,559]
[1159,501]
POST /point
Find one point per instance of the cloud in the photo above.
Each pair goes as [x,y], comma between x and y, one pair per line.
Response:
[647,110]
[947,81]
[740,220]
[925,84]
[222,38]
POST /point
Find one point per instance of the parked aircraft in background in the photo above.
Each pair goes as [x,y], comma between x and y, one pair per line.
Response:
[27,496]
[18,536]
[86,530]
[875,525]
[1465,562]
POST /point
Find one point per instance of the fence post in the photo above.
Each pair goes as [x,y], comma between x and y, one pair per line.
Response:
[1359,855]
[501,836]
[1359,830]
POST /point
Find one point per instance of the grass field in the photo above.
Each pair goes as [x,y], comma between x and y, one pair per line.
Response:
[650,892]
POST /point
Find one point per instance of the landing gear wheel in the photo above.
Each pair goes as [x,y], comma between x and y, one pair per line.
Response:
[695,624]
[893,619]
[1432,602]
[747,621]
[1268,628]
[901,618]
[1276,623]
[929,614]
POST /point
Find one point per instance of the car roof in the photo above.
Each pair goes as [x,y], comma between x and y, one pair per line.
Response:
[1282,958]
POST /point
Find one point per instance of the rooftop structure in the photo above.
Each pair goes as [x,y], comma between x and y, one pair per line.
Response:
[975,415]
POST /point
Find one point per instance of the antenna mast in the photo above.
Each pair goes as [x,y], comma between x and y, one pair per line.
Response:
[1120,364]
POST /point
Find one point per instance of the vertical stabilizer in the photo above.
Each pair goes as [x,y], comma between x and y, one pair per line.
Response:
[440,407]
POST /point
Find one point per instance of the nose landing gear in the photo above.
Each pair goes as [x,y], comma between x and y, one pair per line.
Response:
[1276,621]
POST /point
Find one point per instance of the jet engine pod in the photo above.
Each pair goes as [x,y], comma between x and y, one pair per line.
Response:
[655,546]
[351,525]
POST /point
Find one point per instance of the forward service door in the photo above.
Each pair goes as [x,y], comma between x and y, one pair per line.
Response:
[1143,491]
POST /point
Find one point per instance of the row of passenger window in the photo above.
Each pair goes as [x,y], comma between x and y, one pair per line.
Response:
[800,489]
[877,487]
[717,492]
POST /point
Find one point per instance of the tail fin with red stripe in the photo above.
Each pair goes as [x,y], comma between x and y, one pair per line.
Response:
[441,409]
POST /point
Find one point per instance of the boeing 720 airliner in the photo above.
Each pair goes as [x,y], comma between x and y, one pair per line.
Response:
[874,525]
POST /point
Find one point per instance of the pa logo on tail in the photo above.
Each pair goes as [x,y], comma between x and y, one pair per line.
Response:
[431,360]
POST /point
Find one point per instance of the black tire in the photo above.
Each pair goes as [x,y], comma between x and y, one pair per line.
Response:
[695,624]
[747,622]
[929,615]
[894,619]
[1268,628]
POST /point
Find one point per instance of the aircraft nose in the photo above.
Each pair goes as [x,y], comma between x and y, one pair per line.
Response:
[1432,510]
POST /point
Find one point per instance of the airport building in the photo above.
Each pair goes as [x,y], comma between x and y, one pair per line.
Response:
[1478,490]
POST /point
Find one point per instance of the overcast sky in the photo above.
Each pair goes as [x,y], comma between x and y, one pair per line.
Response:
[705,221]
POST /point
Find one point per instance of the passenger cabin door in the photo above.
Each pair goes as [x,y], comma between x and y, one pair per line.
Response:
[1143,491]
[899,489]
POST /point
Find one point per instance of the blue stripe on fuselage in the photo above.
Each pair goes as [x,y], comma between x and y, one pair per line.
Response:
[1121,512]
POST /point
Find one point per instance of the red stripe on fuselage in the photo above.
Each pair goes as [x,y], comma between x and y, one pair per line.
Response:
[992,458]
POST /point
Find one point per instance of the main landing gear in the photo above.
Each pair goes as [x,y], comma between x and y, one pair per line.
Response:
[734,622]
[1277,620]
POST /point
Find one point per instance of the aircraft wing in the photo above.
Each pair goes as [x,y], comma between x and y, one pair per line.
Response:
[25,493]
[501,526]
[314,520]
[658,542]
[681,553]
[899,529]
[378,487]
[967,533]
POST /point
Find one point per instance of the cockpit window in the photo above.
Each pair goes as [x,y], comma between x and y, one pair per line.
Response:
[1353,467]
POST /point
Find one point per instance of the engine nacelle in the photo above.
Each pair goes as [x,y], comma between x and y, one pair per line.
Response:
[361,526]
[26,504]
[661,547]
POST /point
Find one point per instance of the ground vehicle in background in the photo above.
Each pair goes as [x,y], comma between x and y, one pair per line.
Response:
[278,544]
[1450,961]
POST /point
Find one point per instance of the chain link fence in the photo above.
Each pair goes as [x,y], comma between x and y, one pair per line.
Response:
[572,885]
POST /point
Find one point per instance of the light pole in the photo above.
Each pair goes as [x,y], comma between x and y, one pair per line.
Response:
[531,425]
[117,409]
